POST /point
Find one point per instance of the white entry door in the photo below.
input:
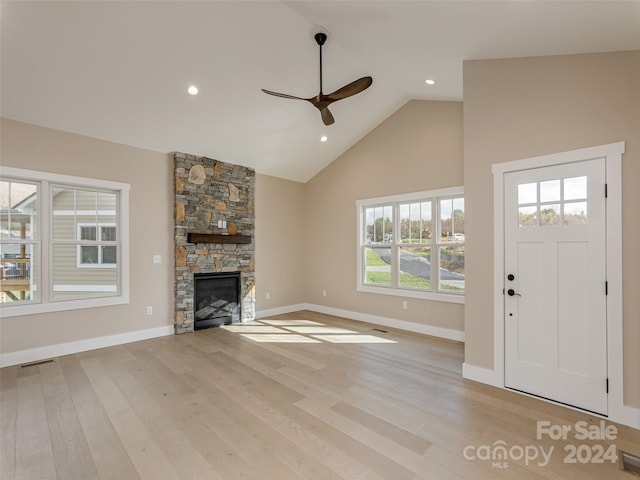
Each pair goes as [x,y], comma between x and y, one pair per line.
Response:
[555,283]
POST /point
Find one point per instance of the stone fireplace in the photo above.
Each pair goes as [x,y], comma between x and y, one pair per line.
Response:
[214,234]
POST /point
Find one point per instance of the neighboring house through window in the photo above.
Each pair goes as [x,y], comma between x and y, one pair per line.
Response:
[413,245]
[102,251]
[63,242]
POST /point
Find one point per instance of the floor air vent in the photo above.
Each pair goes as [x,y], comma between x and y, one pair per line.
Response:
[629,463]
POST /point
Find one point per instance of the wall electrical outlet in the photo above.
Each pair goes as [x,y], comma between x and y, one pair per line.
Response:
[324,293]
[405,305]
[149,310]
[268,296]
[157,259]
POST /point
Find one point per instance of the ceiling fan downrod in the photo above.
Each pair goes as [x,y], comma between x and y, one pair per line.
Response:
[320,39]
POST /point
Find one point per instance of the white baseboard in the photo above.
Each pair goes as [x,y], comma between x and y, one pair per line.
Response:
[280,310]
[439,332]
[625,415]
[482,375]
[51,351]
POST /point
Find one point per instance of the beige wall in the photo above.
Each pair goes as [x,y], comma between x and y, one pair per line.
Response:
[520,108]
[151,232]
[417,148]
[280,214]
[279,247]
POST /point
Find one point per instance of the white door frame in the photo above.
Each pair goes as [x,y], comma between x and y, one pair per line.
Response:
[612,153]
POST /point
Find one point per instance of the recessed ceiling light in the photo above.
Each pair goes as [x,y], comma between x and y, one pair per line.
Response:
[193,90]
[323,138]
[428,81]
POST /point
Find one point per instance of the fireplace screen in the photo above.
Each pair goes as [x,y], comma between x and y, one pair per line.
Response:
[217,299]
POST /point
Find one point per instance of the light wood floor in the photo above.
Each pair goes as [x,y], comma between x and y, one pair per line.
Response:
[260,401]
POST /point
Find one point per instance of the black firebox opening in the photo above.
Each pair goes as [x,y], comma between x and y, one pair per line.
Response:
[217,299]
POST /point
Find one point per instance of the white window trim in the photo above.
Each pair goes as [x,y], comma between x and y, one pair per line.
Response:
[44,302]
[401,292]
[97,243]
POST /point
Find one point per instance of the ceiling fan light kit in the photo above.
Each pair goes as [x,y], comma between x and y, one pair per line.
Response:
[322,101]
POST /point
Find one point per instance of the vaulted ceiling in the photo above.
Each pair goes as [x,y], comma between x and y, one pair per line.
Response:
[119,71]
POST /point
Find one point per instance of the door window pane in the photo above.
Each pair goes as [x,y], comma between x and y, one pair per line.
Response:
[527,216]
[527,193]
[550,214]
[550,191]
[575,188]
[575,213]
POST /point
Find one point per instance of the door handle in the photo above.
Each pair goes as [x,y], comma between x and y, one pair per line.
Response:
[511,292]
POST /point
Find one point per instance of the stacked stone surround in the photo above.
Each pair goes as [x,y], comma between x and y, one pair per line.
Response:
[206,192]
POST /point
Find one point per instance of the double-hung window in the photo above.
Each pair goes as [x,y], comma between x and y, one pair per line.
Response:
[413,245]
[63,242]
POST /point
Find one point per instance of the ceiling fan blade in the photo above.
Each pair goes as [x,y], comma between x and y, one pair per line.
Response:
[350,89]
[327,118]
[283,95]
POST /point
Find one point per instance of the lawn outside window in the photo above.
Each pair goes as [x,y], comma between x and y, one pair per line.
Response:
[412,245]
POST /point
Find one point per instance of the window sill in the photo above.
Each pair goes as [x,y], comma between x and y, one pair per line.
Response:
[398,292]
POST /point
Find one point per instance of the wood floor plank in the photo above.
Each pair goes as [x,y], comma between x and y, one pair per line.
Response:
[220,404]
[141,447]
[71,453]
[255,397]
[382,453]
[178,448]
[107,451]
[34,452]
[8,418]
[402,437]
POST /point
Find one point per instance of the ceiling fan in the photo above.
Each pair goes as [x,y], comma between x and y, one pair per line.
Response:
[322,101]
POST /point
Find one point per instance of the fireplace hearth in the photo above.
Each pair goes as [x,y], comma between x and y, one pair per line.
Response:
[217,299]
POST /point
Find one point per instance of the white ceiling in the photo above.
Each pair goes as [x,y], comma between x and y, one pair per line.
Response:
[119,70]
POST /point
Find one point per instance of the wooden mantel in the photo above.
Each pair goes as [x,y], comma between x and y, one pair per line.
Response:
[217,238]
